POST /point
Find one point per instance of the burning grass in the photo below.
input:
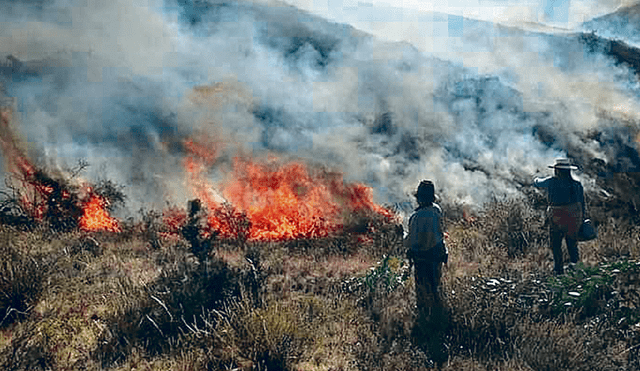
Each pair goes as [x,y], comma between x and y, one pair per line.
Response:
[289,268]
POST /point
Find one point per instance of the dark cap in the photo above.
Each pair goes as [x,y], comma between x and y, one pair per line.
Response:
[425,192]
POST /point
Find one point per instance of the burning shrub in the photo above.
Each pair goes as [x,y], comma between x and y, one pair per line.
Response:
[272,200]
[38,196]
[226,221]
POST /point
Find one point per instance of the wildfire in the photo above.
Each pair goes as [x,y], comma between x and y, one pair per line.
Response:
[266,200]
[278,201]
[96,218]
[54,199]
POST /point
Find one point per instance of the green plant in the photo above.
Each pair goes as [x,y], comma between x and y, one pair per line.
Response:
[386,276]
[589,289]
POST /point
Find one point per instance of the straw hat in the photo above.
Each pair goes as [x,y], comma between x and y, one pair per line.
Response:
[563,163]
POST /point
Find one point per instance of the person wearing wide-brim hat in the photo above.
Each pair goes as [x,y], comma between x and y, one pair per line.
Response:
[565,211]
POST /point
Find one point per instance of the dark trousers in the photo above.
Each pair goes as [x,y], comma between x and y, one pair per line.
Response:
[565,223]
[428,266]
[427,275]
[556,236]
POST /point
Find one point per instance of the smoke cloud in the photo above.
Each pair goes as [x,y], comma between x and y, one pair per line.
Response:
[476,106]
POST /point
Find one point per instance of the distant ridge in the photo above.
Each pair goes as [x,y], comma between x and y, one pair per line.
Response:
[629,13]
[616,35]
[618,50]
[623,24]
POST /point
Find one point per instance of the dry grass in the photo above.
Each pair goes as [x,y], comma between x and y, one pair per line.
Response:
[143,300]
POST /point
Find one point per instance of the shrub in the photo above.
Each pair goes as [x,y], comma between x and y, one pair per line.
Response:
[512,224]
[606,288]
[155,321]
[20,280]
[271,337]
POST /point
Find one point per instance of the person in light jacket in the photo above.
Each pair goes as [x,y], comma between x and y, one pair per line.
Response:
[565,212]
[425,243]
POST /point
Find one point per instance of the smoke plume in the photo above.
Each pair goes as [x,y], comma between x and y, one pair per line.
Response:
[477,106]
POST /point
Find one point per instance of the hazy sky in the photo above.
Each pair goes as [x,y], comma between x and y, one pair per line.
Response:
[396,19]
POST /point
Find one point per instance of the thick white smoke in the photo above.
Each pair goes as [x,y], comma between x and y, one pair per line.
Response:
[476,106]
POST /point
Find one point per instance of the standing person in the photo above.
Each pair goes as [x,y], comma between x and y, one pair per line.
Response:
[425,242]
[565,211]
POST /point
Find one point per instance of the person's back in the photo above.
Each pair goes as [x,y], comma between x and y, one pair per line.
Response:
[425,230]
[425,243]
[565,212]
[561,190]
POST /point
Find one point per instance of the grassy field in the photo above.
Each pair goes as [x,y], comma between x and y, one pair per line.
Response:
[143,299]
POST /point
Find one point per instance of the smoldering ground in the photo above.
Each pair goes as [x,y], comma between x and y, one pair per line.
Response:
[123,84]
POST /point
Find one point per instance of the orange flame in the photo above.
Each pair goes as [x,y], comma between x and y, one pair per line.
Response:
[96,217]
[277,201]
[44,197]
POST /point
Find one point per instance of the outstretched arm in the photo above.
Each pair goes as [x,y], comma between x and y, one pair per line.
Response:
[542,182]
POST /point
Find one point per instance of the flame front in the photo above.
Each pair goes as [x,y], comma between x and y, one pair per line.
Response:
[268,200]
[96,218]
[279,201]
[283,203]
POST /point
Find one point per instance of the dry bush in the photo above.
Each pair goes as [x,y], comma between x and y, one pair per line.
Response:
[20,282]
[471,363]
[26,260]
[28,350]
[481,319]
[513,225]
[508,237]
[124,301]
[184,360]
[183,290]
[272,337]
[549,345]
[565,345]
[400,355]
[287,334]
[617,239]
[67,319]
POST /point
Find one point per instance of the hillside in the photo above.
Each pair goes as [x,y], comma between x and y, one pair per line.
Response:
[147,298]
[199,185]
